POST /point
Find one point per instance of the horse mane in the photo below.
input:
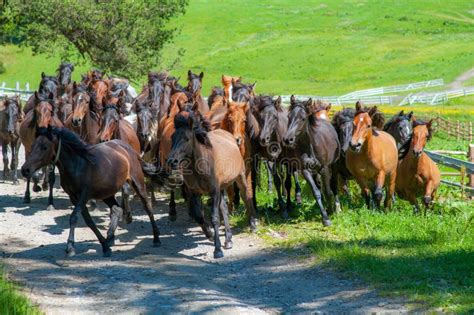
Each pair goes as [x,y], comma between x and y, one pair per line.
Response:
[252,125]
[262,101]
[396,118]
[316,106]
[69,141]
[156,76]
[428,126]
[215,91]
[197,123]
[342,116]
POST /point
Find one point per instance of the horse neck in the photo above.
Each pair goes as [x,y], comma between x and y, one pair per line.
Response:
[68,163]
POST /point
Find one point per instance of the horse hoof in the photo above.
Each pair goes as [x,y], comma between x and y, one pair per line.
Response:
[50,208]
[128,219]
[157,243]
[36,188]
[228,245]
[107,252]
[110,241]
[218,254]
[44,187]
[298,199]
[327,222]
[70,252]
[27,200]
[172,217]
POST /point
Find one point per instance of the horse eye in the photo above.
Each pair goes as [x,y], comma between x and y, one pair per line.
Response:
[44,148]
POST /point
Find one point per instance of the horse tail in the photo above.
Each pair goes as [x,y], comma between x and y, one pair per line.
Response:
[159,175]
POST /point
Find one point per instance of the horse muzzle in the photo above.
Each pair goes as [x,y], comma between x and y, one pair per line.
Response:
[289,142]
[26,172]
[355,147]
[77,121]
[417,154]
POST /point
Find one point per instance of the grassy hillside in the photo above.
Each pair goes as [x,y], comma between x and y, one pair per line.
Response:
[317,47]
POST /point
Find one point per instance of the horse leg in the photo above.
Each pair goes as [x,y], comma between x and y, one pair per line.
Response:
[172,212]
[6,171]
[326,187]
[27,198]
[216,200]
[44,186]
[152,193]
[116,214]
[390,190]
[106,251]
[427,198]
[51,180]
[297,188]
[14,163]
[317,195]
[334,185]
[253,175]
[288,193]
[269,176]
[411,197]
[228,232]
[194,208]
[70,250]
[377,194]
[246,194]
[277,181]
[36,179]
[140,189]
[126,193]
[236,198]
[231,196]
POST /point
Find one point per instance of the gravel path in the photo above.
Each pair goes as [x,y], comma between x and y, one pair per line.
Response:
[458,83]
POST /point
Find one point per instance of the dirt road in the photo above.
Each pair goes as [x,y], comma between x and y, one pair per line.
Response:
[180,276]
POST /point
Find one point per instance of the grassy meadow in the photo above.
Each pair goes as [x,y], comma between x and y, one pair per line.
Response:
[11,301]
[314,47]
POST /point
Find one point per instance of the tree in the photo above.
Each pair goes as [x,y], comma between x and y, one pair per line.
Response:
[123,37]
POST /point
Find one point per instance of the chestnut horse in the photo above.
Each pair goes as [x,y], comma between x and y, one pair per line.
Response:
[417,174]
[210,162]
[84,121]
[81,168]
[10,119]
[372,159]
[315,149]
[42,115]
[241,123]
[98,91]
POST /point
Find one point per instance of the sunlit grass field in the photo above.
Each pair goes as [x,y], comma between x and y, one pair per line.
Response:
[11,301]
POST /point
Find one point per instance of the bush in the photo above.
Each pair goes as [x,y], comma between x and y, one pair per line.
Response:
[2,68]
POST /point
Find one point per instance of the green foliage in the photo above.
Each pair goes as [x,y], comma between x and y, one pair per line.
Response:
[120,37]
[2,67]
[11,302]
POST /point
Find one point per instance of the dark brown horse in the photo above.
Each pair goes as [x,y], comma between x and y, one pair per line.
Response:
[48,85]
[315,150]
[210,161]
[400,128]
[417,175]
[10,119]
[372,159]
[64,75]
[82,168]
[42,115]
[84,121]
[194,88]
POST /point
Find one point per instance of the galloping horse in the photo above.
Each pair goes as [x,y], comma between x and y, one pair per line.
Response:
[373,159]
[241,123]
[81,167]
[48,85]
[98,91]
[417,174]
[10,119]
[194,87]
[64,77]
[400,128]
[210,162]
[84,121]
[315,147]
[42,115]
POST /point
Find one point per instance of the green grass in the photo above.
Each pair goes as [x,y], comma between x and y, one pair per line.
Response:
[12,302]
[312,47]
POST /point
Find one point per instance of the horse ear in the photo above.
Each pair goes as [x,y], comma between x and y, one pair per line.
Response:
[429,123]
[328,108]
[72,67]
[252,86]
[410,115]
[189,74]
[401,113]
[358,106]
[6,98]
[292,99]
[307,105]
[372,111]
[43,75]
[278,104]
[201,75]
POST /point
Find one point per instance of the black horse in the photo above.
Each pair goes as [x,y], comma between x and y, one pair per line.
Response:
[315,149]
[400,127]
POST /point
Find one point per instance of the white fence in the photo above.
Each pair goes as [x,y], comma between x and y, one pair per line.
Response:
[436,97]
[24,93]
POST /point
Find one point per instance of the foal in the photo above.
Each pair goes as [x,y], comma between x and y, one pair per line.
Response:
[82,167]
[417,174]
[210,162]
[372,159]
[10,119]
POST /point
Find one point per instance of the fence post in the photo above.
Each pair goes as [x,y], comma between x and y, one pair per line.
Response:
[458,130]
[17,85]
[470,154]
[470,132]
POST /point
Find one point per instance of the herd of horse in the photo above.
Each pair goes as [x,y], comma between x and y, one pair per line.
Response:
[104,140]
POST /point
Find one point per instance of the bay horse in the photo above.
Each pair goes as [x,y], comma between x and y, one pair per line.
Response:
[316,149]
[64,75]
[11,116]
[194,88]
[400,128]
[273,122]
[84,121]
[210,161]
[48,84]
[241,123]
[42,115]
[81,168]
[417,175]
[372,159]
